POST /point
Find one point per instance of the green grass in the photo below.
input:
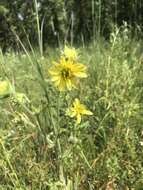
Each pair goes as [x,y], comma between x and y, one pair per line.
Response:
[37,151]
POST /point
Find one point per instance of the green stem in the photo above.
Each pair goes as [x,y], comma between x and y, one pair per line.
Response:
[39,29]
[61,168]
[85,159]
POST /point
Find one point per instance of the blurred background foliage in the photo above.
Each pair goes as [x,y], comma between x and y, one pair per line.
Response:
[66,20]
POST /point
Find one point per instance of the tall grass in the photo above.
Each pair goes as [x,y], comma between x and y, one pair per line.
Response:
[38,150]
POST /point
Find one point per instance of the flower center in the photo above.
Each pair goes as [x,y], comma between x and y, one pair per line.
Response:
[66,73]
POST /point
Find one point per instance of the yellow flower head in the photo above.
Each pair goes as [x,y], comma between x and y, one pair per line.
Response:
[5,89]
[70,54]
[77,110]
[65,74]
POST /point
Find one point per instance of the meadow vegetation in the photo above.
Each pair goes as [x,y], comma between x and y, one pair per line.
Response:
[42,148]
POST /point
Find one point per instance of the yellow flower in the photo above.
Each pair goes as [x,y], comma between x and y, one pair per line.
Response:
[5,89]
[70,53]
[65,74]
[77,110]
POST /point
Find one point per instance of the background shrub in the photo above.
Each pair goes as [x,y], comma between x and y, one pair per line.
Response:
[72,20]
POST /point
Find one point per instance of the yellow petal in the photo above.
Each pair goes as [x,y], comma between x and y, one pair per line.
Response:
[87,112]
[53,71]
[82,75]
[78,119]
[55,78]
[62,85]
[69,84]
[76,102]
[79,70]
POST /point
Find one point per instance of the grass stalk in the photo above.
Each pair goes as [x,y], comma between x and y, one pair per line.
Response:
[15,181]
